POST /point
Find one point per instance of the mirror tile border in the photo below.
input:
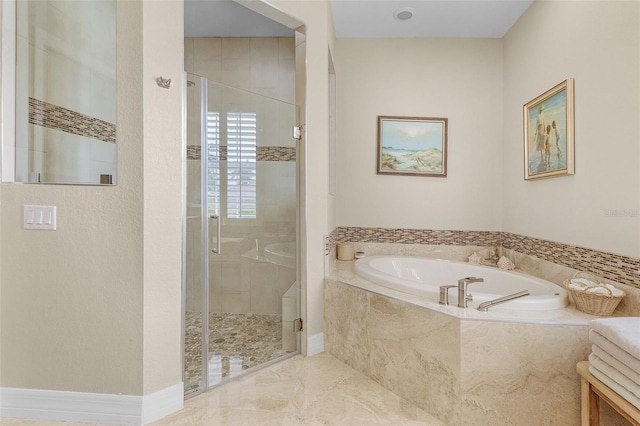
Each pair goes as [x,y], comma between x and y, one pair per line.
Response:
[613,267]
[65,120]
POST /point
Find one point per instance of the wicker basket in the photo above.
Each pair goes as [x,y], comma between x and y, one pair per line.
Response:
[593,303]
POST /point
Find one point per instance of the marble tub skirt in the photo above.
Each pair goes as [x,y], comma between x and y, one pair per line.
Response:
[463,368]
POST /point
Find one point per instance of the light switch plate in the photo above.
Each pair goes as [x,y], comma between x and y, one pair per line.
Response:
[40,217]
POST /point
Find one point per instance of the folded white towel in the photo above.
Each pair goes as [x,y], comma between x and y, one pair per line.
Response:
[615,351]
[615,386]
[614,290]
[581,284]
[616,375]
[606,289]
[623,332]
[598,290]
[621,365]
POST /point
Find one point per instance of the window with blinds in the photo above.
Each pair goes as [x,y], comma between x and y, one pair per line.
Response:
[239,181]
[214,186]
[241,165]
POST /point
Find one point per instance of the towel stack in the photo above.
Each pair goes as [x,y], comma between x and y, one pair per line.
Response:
[583,284]
[615,355]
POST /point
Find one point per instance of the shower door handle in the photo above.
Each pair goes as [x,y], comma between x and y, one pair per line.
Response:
[216,249]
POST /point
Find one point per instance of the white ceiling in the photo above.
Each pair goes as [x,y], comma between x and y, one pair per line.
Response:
[364,18]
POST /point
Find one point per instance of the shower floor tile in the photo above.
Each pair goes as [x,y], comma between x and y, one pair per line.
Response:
[241,341]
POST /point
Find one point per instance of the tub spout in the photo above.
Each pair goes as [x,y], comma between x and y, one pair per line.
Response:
[463,296]
[484,307]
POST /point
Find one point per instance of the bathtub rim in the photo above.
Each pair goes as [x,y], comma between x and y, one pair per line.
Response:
[343,272]
[549,301]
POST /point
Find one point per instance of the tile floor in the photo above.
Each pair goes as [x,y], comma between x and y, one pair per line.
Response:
[251,339]
[318,390]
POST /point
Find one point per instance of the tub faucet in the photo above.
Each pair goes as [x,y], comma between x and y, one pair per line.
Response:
[463,296]
[444,294]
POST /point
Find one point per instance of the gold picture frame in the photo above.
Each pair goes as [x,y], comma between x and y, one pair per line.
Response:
[412,146]
[549,133]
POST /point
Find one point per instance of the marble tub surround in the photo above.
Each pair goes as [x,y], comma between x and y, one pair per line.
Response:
[617,268]
[549,260]
[457,368]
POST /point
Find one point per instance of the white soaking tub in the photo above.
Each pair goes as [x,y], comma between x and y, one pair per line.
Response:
[423,277]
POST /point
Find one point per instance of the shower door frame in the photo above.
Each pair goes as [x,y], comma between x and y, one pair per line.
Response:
[204,231]
[204,237]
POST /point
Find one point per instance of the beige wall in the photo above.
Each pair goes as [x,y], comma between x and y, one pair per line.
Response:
[95,305]
[598,44]
[460,79]
[317,217]
[163,54]
[481,86]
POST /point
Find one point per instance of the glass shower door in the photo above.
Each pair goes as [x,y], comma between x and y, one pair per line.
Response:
[242,286]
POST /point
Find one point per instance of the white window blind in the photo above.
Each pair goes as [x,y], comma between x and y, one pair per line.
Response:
[214,186]
[241,165]
[238,185]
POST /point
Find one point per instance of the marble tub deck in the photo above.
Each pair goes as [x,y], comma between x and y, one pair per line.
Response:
[318,390]
[463,366]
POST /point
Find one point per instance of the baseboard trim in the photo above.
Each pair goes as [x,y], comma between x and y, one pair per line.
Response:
[39,404]
[162,403]
[315,344]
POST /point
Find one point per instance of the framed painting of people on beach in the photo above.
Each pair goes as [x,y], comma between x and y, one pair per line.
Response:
[414,146]
[548,133]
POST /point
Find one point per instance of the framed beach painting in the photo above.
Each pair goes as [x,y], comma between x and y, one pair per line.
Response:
[548,133]
[414,146]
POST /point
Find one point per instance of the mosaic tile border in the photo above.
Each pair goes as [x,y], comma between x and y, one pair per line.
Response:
[65,120]
[614,267]
[276,153]
[617,268]
[415,236]
[263,153]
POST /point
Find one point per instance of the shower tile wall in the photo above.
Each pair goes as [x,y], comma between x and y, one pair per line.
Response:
[263,65]
[242,280]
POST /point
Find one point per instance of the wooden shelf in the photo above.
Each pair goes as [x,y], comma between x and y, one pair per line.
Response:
[592,390]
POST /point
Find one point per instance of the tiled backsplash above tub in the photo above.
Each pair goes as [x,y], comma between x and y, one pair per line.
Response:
[415,236]
[613,267]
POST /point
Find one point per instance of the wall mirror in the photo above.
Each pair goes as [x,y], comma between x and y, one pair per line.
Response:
[59,91]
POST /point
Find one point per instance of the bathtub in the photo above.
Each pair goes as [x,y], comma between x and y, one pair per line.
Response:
[423,277]
[283,254]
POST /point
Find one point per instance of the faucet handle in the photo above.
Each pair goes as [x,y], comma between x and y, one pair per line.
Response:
[444,294]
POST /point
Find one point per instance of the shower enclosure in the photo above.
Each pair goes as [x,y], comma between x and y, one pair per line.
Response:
[240,280]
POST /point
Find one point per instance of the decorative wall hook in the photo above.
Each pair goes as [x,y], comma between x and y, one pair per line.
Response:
[165,83]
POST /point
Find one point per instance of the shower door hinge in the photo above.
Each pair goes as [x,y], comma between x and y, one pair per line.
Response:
[297,132]
[297,325]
